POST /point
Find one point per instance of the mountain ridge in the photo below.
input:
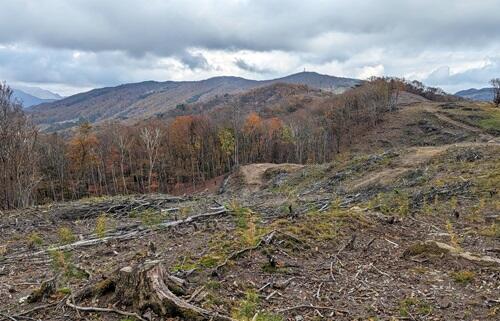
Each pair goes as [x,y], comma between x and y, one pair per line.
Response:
[148,98]
[483,94]
[32,96]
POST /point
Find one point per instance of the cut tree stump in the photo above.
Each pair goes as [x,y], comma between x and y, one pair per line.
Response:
[149,286]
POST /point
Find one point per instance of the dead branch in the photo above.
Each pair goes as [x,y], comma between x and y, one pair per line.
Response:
[108,310]
[6,316]
[116,206]
[121,235]
[434,247]
[265,239]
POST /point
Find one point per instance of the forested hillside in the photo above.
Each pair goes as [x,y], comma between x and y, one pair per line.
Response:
[139,100]
[278,123]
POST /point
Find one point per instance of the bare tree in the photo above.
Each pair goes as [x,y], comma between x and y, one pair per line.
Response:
[151,139]
[18,153]
[495,82]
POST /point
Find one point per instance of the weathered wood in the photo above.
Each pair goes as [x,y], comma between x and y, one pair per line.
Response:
[123,236]
[148,286]
[438,248]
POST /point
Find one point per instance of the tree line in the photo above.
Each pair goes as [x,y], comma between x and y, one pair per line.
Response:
[167,155]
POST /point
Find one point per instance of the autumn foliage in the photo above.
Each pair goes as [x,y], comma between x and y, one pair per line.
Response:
[163,154]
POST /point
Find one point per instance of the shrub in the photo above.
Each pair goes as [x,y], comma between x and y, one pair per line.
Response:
[101,225]
[463,276]
[34,240]
[66,235]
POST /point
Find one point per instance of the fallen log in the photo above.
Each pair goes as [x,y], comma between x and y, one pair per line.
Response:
[123,236]
[438,248]
[114,206]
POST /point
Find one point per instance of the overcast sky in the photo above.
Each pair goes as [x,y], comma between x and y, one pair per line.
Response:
[73,45]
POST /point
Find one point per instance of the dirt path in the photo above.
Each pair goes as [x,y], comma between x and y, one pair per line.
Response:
[446,119]
[253,174]
[415,157]
[420,155]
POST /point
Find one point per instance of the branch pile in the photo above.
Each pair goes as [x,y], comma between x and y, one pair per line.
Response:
[114,206]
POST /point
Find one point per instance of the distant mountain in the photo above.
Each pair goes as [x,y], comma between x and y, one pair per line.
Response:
[150,98]
[39,92]
[31,96]
[483,94]
[274,100]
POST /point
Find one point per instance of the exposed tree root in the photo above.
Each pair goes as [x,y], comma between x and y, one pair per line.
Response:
[96,309]
[146,287]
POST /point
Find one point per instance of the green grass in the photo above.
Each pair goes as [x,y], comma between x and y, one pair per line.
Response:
[392,203]
[415,307]
[492,122]
[463,276]
[150,217]
[248,309]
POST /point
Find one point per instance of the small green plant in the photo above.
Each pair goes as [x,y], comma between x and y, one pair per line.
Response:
[151,217]
[266,316]
[61,263]
[184,211]
[212,285]
[249,235]
[210,260]
[414,306]
[241,214]
[454,239]
[463,276]
[64,291]
[395,203]
[491,231]
[248,309]
[101,226]
[34,240]
[66,235]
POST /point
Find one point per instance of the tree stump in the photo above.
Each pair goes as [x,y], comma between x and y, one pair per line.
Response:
[150,286]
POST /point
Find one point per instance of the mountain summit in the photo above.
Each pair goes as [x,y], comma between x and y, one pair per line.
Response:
[483,94]
[145,99]
[31,96]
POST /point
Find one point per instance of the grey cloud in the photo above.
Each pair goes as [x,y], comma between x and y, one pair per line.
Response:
[122,40]
[242,64]
[169,27]
[194,61]
[37,65]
